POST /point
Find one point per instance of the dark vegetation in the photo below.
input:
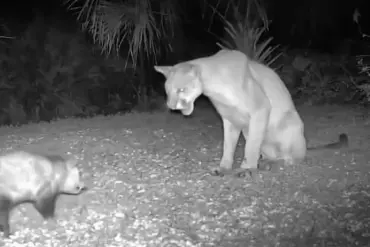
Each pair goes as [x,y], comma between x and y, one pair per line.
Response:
[85,58]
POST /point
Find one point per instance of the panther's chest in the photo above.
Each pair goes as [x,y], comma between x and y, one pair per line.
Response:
[235,114]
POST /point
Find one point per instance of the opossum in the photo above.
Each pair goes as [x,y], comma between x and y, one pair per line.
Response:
[38,179]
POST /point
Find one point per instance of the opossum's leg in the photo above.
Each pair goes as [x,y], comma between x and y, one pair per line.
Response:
[46,205]
[5,207]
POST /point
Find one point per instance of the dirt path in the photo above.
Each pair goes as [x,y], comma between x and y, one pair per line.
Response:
[150,185]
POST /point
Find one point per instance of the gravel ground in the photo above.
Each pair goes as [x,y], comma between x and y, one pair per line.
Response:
[150,185]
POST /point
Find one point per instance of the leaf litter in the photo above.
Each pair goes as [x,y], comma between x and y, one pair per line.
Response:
[150,186]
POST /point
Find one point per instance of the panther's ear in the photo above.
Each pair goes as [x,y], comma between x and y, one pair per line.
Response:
[165,70]
[194,70]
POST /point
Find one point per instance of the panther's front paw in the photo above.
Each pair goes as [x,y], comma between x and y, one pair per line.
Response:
[243,173]
[219,171]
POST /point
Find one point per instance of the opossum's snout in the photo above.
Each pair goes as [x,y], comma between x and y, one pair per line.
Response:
[76,189]
[73,183]
[81,188]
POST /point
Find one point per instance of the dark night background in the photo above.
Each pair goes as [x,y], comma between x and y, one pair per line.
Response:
[53,67]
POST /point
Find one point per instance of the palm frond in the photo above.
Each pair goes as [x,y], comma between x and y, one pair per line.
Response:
[247,39]
[135,23]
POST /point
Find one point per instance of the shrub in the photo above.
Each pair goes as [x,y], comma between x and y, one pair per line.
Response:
[246,36]
[363,63]
[49,72]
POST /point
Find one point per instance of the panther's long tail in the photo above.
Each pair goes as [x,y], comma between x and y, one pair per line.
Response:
[341,143]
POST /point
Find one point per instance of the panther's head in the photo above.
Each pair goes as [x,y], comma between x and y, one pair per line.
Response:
[183,86]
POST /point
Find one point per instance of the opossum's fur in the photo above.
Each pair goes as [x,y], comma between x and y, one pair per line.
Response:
[38,179]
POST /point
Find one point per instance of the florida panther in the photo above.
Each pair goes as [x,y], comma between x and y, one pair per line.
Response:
[251,99]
